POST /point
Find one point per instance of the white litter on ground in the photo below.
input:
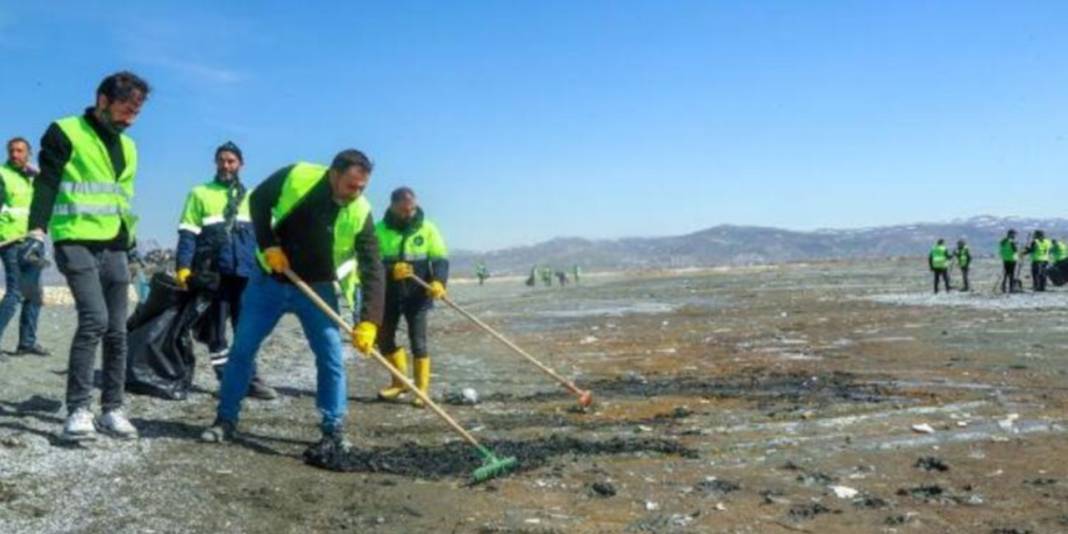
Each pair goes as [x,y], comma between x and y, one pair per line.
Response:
[981,301]
[844,492]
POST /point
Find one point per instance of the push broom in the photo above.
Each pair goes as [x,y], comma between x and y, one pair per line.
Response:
[585,397]
[492,466]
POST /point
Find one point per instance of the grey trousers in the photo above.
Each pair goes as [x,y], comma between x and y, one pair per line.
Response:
[99,283]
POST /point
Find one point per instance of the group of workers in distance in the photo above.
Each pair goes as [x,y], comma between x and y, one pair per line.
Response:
[308,220]
[1042,251]
[546,274]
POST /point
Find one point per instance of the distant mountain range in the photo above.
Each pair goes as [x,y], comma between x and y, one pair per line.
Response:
[738,245]
[749,245]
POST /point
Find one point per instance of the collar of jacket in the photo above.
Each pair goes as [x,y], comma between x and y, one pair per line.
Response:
[104,131]
[411,225]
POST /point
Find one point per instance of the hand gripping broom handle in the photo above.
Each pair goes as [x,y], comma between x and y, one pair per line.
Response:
[322,305]
[585,397]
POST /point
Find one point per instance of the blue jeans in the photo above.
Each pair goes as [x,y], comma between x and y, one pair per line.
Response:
[263,304]
[22,284]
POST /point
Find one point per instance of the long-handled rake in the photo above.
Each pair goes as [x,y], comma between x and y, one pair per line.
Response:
[585,397]
[492,466]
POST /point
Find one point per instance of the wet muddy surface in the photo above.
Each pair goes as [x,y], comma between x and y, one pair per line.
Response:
[835,397]
[460,459]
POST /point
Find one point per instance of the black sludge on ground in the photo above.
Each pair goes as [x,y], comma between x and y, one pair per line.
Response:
[459,459]
[757,384]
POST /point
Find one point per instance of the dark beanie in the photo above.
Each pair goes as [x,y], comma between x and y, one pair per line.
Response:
[229,146]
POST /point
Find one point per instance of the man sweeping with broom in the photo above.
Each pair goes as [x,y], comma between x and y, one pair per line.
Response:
[313,221]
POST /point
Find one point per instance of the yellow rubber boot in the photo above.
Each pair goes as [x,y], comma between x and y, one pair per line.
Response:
[399,360]
[422,379]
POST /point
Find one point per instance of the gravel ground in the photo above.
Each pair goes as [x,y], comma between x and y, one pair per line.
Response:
[833,397]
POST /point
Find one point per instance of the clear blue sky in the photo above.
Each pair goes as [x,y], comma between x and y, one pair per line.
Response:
[521,121]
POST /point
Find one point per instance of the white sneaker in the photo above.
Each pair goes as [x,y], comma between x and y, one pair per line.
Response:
[114,423]
[79,426]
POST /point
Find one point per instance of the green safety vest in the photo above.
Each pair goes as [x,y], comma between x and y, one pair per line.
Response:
[1007,251]
[92,203]
[350,218]
[15,210]
[1040,252]
[939,257]
[1059,251]
[206,206]
[964,257]
[425,243]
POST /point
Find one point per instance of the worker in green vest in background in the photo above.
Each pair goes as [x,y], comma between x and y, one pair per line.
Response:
[410,244]
[482,273]
[546,273]
[83,198]
[938,261]
[1058,252]
[576,271]
[216,243]
[1039,249]
[23,259]
[963,255]
[312,220]
[1008,251]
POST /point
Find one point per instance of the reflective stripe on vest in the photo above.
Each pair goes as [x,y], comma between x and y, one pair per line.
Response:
[206,206]
[91,188]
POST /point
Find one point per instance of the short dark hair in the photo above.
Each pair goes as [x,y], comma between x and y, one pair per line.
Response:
[231,147]
[401,193]
[349,157]
[14,140]
[121,86]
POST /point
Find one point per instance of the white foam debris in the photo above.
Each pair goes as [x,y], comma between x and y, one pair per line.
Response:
[980,301]
[1008,424]
[923,428]
[844,492]
[612,309]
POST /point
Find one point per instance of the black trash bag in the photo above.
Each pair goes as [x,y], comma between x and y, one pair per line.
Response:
[1058,273]
[160,360]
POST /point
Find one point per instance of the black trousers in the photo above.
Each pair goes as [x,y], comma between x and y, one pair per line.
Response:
[1009,277]
[225,306]
[1038,275]
[942,274]
[964,279]
[99,281]
[415,315]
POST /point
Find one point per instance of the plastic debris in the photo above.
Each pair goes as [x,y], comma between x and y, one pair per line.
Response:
[844,492]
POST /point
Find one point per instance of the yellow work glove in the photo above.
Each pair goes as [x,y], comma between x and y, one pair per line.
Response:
[182,276]
[363,337]
[436,290]
[276,259]
[401,271]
